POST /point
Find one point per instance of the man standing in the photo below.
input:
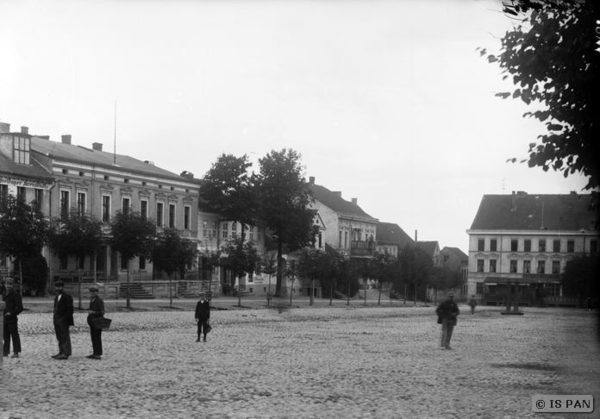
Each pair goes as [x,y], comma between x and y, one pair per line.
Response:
[14,306]
[202,316]
[473,303]
[95,311]
[447,312]
[63,318]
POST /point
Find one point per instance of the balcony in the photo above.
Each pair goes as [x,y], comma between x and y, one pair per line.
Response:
[362,248]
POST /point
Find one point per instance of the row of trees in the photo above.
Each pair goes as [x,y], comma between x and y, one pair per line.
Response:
[24,232]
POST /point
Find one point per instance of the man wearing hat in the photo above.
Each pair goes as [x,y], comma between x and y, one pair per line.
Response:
[202,316]
[14,306]
[447,312]
[96,310]
[63,318]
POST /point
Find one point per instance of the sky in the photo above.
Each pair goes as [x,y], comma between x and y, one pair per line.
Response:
[386,101]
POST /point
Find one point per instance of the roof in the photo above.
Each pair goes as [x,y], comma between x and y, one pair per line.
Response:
[456,251]
[390,233]
[83,155]
[428,247]
[522,211]
[38,169]
[335,201]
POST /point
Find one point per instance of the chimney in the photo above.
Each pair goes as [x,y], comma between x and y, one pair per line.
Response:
[355,201]
[416,235]
[66,139]
[4,128]
[311,180]
[97,146]
[187,175]
[24,130]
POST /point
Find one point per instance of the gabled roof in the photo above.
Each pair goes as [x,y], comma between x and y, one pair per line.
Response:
[522,211]
[390,233]
[334,201]
[38,168]
[456,252]
[79,154]
[428,247]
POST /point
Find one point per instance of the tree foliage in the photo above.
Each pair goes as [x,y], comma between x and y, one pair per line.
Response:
[77,236]
[383,268]
[230,191]
[580,277]
[23,228]
[172,252]
[242,259]
[551,59]
[285,197]
[132,235]
[415,268]
[35,273]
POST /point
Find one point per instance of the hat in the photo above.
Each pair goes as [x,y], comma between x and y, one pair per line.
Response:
[94,288]
[59,284]
[9,281]
[450,294]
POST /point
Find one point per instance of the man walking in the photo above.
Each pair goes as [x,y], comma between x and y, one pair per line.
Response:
[447,312]
[202,316]
[14,306]
[63,318]
[473,303]
[95,311]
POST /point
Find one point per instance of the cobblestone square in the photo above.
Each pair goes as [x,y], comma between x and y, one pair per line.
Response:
[339,362]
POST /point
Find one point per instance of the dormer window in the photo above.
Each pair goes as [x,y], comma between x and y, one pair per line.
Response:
[21,150]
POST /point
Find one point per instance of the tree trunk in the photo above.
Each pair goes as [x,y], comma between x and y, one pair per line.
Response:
[239,291]
[405,291]
[279,269]
[292,291]
[269,292]
[21,277]
[331,294]
[312,291]
[128,305]
[79,285]
[348,295]
[365,292]
[379,299]
[171,290]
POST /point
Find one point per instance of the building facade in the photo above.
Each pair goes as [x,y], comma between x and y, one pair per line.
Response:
[528,240]
[391,239]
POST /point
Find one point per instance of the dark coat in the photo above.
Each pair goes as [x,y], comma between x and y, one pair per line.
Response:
[97,305]
[203,310]
[448,310]
[63,309]
[14,306]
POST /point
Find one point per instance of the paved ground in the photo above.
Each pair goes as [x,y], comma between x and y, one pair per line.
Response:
[339,362]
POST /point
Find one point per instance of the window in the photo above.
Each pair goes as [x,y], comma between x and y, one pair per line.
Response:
[171,215]
[64,204]
[593,246]
[144,209]
[123,263]
[514,245]
[480,265]
[570,246]
[493,245]
[320,240]
[81,263]
[142,263]
[513,266]
[251,233]
[527,245]
[80,203]
[556,267]
[340,239]
[234,230]
[39,198]
[542,245]
[493,265]
[556,246]
[345,239]
[541,269]
[526,266]
[21,150]
[224,230]
[187,211]
[64,262]
[105,208]
[125,205]
[159,214]
[479,288]
[3,194]
[21,193]
[481,245]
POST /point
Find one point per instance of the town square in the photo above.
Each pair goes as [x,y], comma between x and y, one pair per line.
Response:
[378,361]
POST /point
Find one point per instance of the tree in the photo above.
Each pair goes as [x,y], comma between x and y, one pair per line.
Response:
[23,231]
[172,253]
[242,259]
[381,268]
[78,236]
[350,272]
[331,275]
[230,191]
[269,267]
[285,198]
[132,235]
[580,277]
[415,269]
[210,259]
[292,271]
[552,58]
[35,273]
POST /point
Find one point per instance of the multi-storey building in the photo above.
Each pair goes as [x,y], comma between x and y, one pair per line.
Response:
[392,239]
[432,248]
[528,240]
[99,184]
[343,225]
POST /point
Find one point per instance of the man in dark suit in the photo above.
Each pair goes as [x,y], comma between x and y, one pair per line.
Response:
[63,318]
[14,306]
[202,316]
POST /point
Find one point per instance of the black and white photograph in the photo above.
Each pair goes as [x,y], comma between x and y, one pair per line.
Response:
[299,209]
